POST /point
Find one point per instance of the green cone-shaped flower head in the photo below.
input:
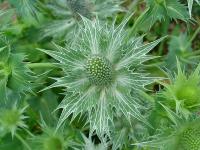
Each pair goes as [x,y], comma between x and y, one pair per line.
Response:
[49,140]
[12,119]
[53,143]
[183,90]
[98,75]
[182,134]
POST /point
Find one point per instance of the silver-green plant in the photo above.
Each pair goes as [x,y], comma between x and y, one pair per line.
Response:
[101,67]
[183,134]
[89,145]
[68,13]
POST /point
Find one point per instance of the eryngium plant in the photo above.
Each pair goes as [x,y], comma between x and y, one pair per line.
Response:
[14,74]
[12,120]
[101,68]
[68,14]
[183,92]
[49,140]
[184,134]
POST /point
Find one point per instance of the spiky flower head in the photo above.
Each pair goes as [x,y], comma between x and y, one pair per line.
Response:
[183,92]
[67,14]
[14,74]
[189,137]
[101,68]
[51,140]
[183,134]
[12,119]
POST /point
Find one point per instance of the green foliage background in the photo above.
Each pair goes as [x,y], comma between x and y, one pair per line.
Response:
[150,47]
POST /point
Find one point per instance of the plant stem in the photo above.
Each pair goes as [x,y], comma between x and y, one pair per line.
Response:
[41,65]
[23,141]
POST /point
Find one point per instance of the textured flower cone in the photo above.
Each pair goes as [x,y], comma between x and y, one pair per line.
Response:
[12,119]
[183,134]
[190,139]
[99,71]
[183,93]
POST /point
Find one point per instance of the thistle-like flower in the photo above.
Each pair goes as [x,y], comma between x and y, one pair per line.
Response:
[49,141]
[12,120]
[67,14]
[184,134]
[101,68]
[183,92]
[14,74]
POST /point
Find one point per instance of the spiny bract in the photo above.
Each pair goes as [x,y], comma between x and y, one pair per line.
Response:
[101,68]
[14,74]
[183,92]
[49,140]
[12,119]
[183,134]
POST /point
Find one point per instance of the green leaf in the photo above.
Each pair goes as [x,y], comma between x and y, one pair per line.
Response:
[159,11]
[190,4]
